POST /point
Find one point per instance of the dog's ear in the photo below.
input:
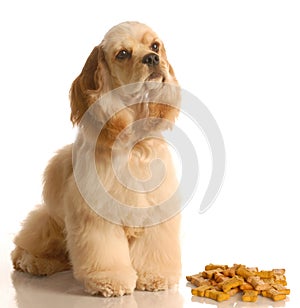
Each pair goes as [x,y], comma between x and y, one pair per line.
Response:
[171,78]
[93,81]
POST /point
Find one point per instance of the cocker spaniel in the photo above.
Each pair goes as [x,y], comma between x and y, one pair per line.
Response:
[129,80]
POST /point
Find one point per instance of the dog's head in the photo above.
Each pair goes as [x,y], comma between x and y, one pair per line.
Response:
[129,53]
[134,53]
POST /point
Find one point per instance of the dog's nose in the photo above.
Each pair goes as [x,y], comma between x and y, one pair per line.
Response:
[151,59]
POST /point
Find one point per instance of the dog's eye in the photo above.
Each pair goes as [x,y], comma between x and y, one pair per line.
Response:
[123,54]
[155,47]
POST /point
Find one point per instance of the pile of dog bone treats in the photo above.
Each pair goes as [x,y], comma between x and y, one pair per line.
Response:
[220,282]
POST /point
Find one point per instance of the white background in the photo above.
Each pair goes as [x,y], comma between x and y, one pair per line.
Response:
[240,58]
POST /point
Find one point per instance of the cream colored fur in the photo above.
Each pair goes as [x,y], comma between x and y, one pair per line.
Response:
[64,232]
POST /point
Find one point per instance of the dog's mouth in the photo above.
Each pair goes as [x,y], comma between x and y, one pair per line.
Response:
[155,76]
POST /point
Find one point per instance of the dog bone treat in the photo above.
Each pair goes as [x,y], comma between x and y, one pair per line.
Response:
[258,284]
[246,286]
[210,273]
[245,273]
[229,272]
[280,279]
[233,291]
[198,280]
[274,294]
[200,291]
[195,276]
[231,283]
[265,274]
[214,266]
[281,289]
[216,295]
[219,277]
[278,271]
[220,282]
[250,296]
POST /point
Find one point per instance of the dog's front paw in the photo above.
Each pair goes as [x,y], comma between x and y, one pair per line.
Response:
[111,283]
[151,282]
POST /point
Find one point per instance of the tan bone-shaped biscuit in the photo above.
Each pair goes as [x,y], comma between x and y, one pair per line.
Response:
[216,295]
[200,291]
[198,280]
[244,272]
[250,296]
[258,284]
[231,283]
[265,274]
[215,266]
[274,294]
[281,289]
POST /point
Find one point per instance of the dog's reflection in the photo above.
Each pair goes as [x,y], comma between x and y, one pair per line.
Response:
[62,290]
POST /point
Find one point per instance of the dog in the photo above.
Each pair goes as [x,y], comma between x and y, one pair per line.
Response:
[111,258]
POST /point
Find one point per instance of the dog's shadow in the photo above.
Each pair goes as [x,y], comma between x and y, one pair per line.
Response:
[62,290]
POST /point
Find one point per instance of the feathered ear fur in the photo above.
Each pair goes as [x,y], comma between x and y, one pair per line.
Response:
[92,82]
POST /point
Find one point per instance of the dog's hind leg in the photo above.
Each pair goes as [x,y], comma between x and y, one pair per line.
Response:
[40,245]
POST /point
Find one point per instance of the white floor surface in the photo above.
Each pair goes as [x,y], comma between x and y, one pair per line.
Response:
[62,290]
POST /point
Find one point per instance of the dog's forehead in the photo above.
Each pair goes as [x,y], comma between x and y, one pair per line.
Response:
[128,33]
